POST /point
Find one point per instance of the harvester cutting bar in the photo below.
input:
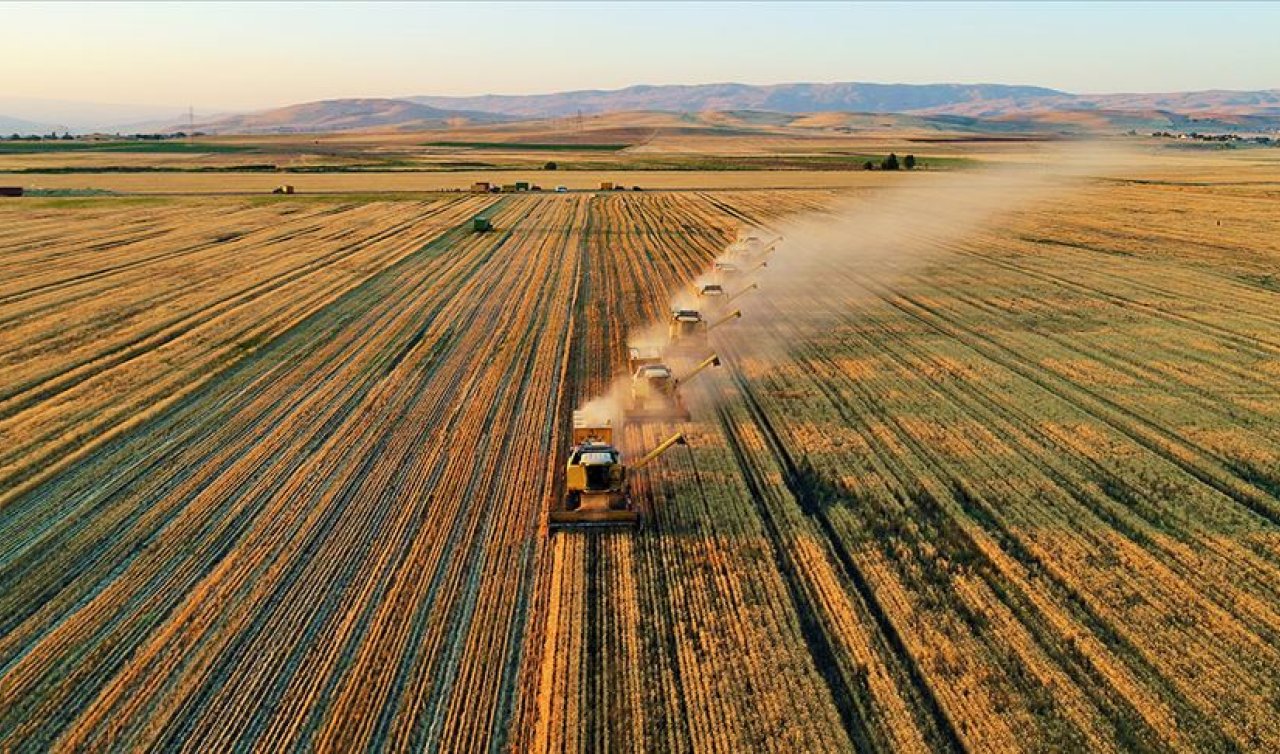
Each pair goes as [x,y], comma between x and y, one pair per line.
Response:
[562,520]
[675,412]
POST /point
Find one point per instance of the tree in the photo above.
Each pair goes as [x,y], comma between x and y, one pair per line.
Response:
[890,162]
[909,162]
[550,166]
[868,165]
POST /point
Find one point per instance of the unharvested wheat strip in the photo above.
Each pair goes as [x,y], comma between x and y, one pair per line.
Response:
[764,642]
[819,579]
[1149,433]
[1223,682]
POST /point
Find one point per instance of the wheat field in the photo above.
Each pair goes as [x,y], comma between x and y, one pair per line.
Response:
[274,475]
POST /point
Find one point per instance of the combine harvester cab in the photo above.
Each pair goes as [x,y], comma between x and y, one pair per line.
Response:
[710,291]
[654,396]
[719,300]
[686,331]
[596,480]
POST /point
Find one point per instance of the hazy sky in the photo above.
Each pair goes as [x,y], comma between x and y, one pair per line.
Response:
[241,55]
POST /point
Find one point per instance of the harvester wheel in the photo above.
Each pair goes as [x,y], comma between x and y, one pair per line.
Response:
[572,501]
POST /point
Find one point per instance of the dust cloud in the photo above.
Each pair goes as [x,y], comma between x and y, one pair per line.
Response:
[822,261]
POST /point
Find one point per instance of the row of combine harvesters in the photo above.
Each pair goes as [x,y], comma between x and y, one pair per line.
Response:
[595,482]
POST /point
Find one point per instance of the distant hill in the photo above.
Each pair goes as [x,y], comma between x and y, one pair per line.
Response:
[83,117]
[783,98]
[1014,105]
[22,127]
[963,106]
[345,115]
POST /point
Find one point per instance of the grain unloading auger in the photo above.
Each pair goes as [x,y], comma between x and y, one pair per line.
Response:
[596,479]
[751,287]
[655,392]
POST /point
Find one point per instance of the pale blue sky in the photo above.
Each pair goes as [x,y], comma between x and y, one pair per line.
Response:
[239,55]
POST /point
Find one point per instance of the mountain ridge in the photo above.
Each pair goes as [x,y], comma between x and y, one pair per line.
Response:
[345,115]
[1214,108]
[788,98]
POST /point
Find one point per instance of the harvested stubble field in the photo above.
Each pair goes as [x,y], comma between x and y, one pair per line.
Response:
[274,476]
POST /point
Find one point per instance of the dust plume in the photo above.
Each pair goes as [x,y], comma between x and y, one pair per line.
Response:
[822,261]
[826,259]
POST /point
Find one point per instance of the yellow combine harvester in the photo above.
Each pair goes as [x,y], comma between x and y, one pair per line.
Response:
[596,479]
[688,329]
[655,391]
[751,245]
